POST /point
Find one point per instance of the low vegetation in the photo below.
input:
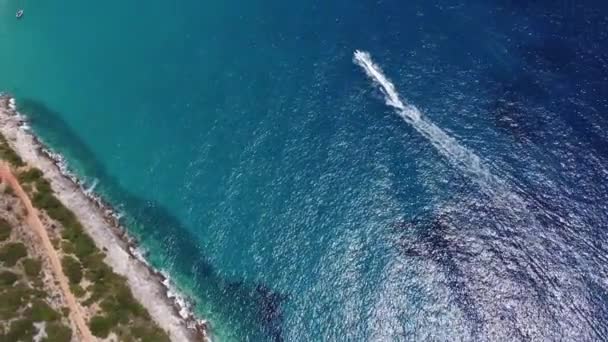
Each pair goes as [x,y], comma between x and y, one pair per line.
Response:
[31,267]
[22,303]
[41,311]
[8,154]
[119,311]
[21,329]
[5,229]
[23,297]
[58,333]
[7,278]
[22,300]
[30,175]
[72,269]
[11,252]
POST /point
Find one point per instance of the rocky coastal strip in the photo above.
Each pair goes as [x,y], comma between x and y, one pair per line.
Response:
[150,287]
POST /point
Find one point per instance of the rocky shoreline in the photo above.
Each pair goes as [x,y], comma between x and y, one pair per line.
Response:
[151,287]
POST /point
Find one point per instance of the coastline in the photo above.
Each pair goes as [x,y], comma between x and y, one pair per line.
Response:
[153,289]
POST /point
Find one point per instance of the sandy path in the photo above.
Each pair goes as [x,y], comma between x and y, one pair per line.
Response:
[34,222]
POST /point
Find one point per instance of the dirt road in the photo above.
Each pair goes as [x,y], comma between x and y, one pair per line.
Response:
[34,222]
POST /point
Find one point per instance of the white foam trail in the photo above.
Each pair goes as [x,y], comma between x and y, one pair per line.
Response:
[456,154]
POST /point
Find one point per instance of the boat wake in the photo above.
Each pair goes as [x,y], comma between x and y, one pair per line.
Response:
[506,256]
[457,155]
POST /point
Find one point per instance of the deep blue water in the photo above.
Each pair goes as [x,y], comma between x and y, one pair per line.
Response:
[264,170]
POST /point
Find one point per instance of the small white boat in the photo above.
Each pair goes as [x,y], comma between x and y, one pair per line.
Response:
[19,14]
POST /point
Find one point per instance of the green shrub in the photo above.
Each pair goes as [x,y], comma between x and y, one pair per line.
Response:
[31,175]
[41,311]
[84,246]
[72,269]
[9,190]
[7,153]
[149,332]
[94,263]
[55,242]
[43,186]
[38,293]
[27,188]
[113,311]
[57,332]
[32,267]
[11,300]
[67,247]
[129,303]
[12,252]
[71,230]
[55,209]
[5,229]
[21,330]
[37,283]
[77,290]
[96,293]
[8,278]
[100,326]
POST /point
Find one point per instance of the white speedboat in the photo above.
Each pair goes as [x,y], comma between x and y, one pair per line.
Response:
[19,14]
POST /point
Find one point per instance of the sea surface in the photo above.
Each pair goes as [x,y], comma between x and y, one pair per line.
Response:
[341,170]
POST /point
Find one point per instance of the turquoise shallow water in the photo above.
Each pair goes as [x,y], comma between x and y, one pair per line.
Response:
[261,168]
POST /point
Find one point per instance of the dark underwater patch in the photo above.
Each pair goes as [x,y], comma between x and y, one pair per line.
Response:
[430,240]
[512,277]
